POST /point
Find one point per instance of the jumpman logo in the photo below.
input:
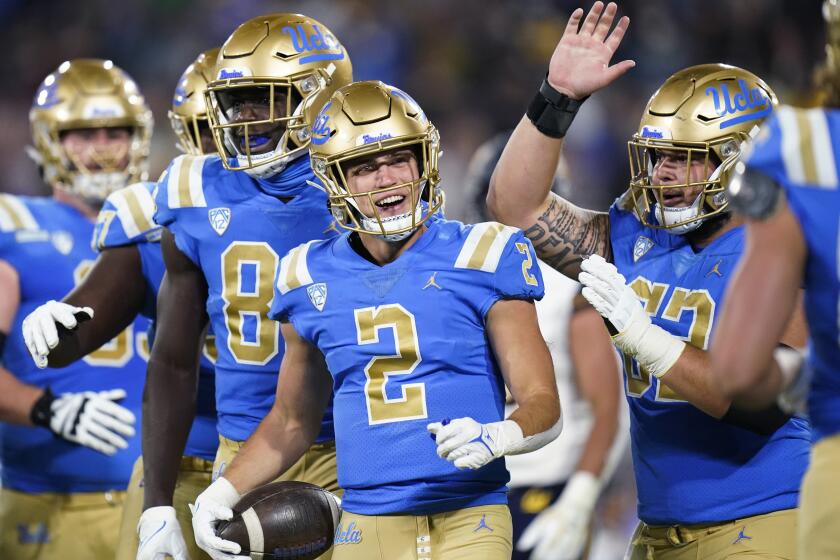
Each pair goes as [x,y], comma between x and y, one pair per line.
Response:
[331,228]
[715,269]
[742,536]
[482,525]
[431,282]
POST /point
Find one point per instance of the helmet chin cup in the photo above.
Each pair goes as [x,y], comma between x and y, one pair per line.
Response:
[669,217]
[400,225]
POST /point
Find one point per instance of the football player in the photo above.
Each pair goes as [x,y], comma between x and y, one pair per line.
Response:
[713,481]
[124,282]
[554,490]
[421,322]
[227,220]
[62,496]
[787,190]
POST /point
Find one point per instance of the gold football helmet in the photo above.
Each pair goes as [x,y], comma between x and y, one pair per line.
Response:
[366,118]
[280,60]
[84,94]
[188,115]
[828,74]
[702,113]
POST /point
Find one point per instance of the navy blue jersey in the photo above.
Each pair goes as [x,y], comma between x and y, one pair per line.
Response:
[799,149]
[690,467]
[48,244]
[236,233]
[406,345]
[127,219]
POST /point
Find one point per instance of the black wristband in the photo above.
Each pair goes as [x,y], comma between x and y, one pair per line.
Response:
[42,409]
[552,112]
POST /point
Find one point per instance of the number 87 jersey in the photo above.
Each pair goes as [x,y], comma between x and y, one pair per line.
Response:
[235,233]
[406,344]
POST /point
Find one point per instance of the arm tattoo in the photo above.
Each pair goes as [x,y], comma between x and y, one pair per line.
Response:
[565,235]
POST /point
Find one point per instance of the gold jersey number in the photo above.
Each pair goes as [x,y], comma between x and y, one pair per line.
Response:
[652,294]
[411,405]
[254,300]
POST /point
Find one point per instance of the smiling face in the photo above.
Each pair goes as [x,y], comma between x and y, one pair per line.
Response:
[254,105]
[378,174]
[673,167]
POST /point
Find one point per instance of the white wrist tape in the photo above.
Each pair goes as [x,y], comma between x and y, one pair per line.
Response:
[654,348]
[515,443]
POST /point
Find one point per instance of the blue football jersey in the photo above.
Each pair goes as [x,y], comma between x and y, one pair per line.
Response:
[690,467]
[799,149]
[48,244]
[236,233]
[127,219]
[406,345]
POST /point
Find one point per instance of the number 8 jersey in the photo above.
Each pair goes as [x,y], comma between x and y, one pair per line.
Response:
[236,233]
[406,345]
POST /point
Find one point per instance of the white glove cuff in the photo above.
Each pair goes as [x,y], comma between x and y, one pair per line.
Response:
[223,492]
[654,348]
[582,490]
[513,442]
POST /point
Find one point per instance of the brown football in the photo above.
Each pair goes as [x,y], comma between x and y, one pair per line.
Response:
[283,520]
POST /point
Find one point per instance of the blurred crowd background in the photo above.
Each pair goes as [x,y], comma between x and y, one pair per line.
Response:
[472,64]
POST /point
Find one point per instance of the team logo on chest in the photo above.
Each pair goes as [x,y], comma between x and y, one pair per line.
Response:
[219,219]
[642,246]
[317,295]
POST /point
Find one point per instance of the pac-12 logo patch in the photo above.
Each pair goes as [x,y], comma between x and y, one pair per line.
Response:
[317,295]
[642,246]
[219,219]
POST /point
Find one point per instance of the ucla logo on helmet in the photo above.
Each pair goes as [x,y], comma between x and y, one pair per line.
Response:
[655,132]
[47,94]
[180,93]
[228,73]
[320,128]
[307,39]
[738,103]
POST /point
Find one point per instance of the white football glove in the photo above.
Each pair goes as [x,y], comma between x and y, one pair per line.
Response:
[91,419]
[211,506]
[605,288]
[561,530]
[160,535]
[797,376]
[470,445]
[40,332]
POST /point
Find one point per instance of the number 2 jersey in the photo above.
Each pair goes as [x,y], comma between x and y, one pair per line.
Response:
[406,344]
[126,219]
[48,244]
[235,232]
[690,467]
[799,149]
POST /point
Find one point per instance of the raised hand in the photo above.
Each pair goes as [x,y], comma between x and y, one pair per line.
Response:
[580,64]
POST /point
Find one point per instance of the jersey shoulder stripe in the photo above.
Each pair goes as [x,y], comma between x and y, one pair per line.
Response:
[15,215]
[135,209]
[484,246]
[806,147]
[184,187]
[294,270]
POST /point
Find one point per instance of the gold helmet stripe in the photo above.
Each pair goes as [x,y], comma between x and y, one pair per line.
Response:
[806,147]
[294,271]
[135,209]
[483,246]
[14,214]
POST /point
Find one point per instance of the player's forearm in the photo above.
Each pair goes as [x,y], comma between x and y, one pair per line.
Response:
[601,438]
[690,377]
[16,399]
[537,413]
[272,449]
[520,185]
[168,413]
